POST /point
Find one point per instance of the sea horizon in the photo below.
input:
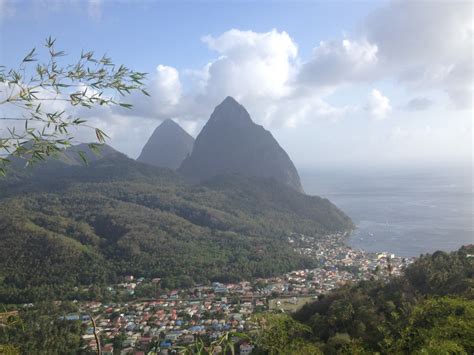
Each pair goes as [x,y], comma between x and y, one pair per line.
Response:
[405,212]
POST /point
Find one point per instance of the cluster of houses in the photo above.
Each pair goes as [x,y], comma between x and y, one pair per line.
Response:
[335,255]
[178,317]
[175,319]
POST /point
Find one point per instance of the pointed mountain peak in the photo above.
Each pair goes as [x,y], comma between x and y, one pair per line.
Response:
[230,110]
[229,100]
[168,146]
[169,123]
[231,143]
[168,127]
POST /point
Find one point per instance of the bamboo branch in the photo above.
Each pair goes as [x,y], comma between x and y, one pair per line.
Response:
[96,336]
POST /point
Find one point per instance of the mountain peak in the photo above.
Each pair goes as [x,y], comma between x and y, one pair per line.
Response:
[231,143]
[169,123]
[168,146]
[230,110]
[229,100]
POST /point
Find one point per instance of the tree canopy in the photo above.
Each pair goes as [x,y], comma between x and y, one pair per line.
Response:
[428,310]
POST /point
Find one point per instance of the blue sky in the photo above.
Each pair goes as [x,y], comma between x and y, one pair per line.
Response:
[144,33]
[338,83]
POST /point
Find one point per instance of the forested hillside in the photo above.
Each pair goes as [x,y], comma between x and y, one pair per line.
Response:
[429,310]
[63,225]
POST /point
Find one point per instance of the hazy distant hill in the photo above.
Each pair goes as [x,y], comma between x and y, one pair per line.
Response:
[76,155]
[168,146]
[64,225]
[231,143]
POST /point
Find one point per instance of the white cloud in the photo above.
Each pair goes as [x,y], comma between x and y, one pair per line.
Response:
[335,63]
[250,64]
[258,69]
[294,111]
[426,45]
[418,32]
[165,91]
[378,105]
[167,85]
[264,72]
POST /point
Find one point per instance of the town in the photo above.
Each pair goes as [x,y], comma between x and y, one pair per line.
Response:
[178,317]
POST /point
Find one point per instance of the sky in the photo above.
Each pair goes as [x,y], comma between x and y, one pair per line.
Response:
[347,83]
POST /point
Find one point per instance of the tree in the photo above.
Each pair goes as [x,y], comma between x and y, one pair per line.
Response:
[281,334]
[338,343]
[439,325]
[39,101]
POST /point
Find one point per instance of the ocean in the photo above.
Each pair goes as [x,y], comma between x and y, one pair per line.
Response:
[406,213]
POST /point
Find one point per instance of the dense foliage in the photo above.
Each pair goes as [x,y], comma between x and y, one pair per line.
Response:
[42,329]
[429,310]
[64,225]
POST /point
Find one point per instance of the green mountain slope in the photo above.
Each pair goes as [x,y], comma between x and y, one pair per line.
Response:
[64,225]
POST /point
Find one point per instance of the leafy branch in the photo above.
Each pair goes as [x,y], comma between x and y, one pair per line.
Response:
[32,93]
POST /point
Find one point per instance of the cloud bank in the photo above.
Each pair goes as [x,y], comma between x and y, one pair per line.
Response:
[405,57]
[421,46]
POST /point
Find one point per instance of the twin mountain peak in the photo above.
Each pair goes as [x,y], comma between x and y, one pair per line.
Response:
[229,143]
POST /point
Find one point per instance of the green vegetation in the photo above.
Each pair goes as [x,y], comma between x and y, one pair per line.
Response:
[42,330]
[63,225]
[281,334]
[44,94]
[83,233]
[429,310]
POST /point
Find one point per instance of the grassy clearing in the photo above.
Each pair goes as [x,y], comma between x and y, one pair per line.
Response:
[289,304]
